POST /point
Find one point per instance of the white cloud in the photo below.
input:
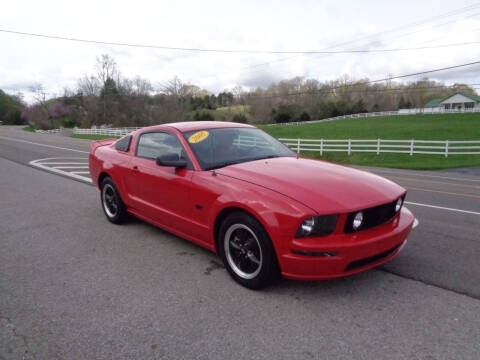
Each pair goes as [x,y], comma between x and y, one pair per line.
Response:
[266,25]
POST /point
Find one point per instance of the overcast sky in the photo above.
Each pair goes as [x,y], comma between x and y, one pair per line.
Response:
[247,25]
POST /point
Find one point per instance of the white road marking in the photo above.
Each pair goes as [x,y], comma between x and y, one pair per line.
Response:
[443,208]
[43,164]
[45,145]
[415,223]
[63,163]
[423,175]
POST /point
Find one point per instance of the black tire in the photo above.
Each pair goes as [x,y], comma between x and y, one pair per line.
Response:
[247,251]
[112,204]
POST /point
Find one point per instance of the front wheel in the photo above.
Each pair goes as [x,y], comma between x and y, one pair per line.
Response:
[247,251]
[112,204]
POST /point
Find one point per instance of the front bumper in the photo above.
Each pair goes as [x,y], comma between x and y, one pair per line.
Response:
[340,255]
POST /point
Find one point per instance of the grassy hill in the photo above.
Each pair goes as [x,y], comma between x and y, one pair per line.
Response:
[419,127]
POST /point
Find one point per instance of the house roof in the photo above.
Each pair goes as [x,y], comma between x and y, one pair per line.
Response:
[473,97]
[436,102]
[433,103]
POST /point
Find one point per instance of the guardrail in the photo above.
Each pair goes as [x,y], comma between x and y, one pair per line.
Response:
[378,146]
[384,113]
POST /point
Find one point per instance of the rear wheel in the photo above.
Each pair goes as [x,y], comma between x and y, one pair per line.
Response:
[112,204]
[247,251]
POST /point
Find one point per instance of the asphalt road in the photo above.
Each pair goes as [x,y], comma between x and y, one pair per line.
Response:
[73,286]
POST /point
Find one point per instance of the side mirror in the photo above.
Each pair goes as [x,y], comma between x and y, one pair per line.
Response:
[172,160]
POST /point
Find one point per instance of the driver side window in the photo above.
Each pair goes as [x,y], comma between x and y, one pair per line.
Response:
[152,145]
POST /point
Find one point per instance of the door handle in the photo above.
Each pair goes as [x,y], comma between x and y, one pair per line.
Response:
[135,169]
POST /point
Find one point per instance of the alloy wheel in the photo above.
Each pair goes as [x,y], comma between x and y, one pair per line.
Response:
[243,251]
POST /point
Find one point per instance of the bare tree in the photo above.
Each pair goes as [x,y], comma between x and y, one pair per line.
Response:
[106,68]
[106,73]
[171,87]
[88,86]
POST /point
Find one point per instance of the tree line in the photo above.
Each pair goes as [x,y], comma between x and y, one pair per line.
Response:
[108,98]
[11,107]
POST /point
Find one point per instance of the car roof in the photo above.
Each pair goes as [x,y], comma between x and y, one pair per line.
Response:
[199,125]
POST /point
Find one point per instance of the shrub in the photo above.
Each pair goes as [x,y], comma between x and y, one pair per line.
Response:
[203,116]
[304,116]
[285,113]
[281,117]
[240,118]
[68,122]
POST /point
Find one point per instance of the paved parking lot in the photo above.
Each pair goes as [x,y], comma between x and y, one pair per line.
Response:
[73,286]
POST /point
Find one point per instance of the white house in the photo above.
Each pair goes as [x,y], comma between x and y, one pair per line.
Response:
[455,102]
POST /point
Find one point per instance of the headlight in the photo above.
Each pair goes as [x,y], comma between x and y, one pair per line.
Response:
[357,221]
[317,226]
[398,205]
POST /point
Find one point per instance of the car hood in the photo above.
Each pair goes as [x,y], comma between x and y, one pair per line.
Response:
[324,187]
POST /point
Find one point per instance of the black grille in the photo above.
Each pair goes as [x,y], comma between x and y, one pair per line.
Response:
[372,217]
[370,260]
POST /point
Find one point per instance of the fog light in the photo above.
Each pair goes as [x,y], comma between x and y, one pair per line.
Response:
[357,220]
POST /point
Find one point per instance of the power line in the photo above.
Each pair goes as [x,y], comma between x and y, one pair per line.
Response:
[406,89]
[353,51]
[448,14]
[364,91]
[331,89]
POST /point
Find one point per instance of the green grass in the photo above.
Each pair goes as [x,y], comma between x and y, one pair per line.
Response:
[419,127]
[93,137]
[401,161]
[30,128]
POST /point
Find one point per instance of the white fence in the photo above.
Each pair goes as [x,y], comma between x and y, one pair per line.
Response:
[106,131]
[385,113]
[378,146]
[52,131]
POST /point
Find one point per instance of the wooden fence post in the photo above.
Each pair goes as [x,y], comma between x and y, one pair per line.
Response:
[349,146]
[321,147]
[298,146]
[378,146]
[411,147]
[446,148]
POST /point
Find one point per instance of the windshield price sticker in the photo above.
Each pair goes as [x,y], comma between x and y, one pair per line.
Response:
[198,137]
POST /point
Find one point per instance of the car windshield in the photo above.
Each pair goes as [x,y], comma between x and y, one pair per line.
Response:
[216,148]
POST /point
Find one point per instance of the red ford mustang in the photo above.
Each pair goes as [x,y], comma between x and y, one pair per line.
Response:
[237,191]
